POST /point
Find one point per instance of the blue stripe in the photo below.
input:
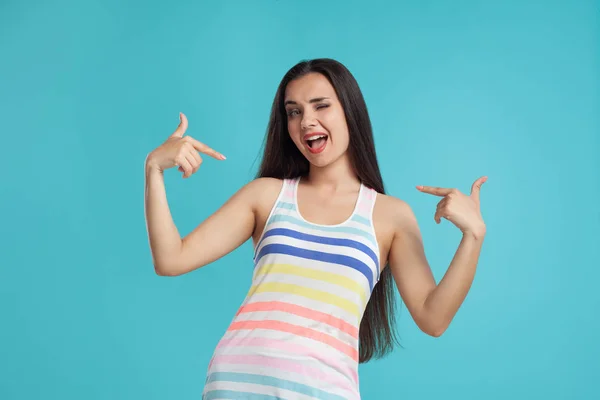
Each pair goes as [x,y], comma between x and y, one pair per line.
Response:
[344,229]
[287,218]
[235,395]
[325,240]
[318,256]
[272,381]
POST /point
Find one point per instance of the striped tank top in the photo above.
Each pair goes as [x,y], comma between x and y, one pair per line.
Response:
[295,336]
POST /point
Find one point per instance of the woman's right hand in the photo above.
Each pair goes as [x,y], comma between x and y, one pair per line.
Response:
[180,151]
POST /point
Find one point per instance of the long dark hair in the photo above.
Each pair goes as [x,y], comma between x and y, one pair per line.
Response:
[282,159]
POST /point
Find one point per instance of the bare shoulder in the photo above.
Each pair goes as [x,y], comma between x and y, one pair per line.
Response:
[393,210]
[269,183]
[264,193]
[259,189]
[391,216]
[264,190]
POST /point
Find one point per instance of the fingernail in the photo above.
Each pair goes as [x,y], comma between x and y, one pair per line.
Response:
[223,157]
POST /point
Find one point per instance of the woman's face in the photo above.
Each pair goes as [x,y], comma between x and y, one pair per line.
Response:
[316,120]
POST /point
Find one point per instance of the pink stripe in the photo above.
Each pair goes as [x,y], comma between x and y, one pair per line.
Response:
[291,366]
[319,316]
[290,347]
[288,194]
[297,330]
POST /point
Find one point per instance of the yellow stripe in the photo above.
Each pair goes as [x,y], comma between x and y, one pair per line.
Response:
[313,294]
[304,272]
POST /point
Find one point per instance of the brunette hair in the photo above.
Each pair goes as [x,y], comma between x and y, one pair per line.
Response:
[282,159]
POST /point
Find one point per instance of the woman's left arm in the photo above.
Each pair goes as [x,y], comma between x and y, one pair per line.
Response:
[434,306]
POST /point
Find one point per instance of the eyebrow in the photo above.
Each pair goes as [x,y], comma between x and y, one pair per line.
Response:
[315,100]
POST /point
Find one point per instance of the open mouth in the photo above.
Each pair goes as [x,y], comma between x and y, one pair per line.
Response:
[316,142]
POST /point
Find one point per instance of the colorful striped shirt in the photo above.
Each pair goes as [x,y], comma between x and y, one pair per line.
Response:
[295,336]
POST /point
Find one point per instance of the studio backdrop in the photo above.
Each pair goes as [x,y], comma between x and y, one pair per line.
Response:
[455,90]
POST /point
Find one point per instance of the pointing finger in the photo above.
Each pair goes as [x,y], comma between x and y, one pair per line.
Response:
[202,148]
[436,191]
[182,127]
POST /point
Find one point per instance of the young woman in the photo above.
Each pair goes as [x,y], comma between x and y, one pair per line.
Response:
[328,246]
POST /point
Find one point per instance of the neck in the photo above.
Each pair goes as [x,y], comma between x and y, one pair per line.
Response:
[338,174]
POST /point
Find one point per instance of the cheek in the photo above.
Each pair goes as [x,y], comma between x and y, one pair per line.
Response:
[336,123]
[294,132]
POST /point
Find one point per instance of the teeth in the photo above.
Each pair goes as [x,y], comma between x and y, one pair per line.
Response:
[315,138]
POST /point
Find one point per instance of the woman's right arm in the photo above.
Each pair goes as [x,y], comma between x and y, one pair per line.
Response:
[221,233]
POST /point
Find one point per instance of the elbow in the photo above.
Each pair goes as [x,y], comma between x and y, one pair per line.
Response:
[165,270]
[161,271]
[437,332]
[175,268]
[433,322]
[434,328]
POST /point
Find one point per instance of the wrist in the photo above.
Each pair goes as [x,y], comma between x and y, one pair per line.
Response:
[477,233]
[151,167]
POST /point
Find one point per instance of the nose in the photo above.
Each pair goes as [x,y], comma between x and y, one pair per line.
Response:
[308,122]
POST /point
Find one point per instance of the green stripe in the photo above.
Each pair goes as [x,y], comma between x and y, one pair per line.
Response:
[272,381]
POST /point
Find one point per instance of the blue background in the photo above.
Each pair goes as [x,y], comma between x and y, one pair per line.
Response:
[456,90]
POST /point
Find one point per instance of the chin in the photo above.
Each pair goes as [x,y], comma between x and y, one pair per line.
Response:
[324,161]
[319,163]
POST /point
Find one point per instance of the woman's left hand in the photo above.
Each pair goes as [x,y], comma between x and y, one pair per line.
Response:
[460,209]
